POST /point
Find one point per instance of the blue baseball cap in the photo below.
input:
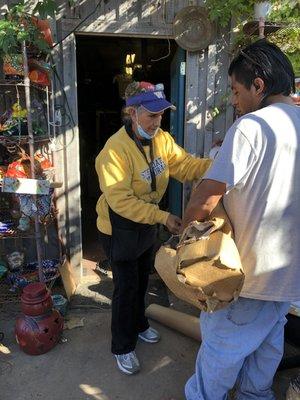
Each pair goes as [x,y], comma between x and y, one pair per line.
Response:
[153,100]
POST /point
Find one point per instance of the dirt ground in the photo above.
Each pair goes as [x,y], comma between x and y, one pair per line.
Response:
[82,367]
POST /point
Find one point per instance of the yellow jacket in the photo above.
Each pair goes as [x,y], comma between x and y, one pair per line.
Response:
[125,179]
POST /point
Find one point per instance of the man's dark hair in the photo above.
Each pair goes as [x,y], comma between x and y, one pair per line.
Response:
[264,60]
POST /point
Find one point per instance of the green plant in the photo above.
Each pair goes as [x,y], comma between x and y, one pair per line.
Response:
[295,60]
[288,38]
[45,8]
[284,12]
[223,12]
[18,26]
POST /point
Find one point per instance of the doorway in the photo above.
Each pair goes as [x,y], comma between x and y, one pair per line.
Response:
[105,65]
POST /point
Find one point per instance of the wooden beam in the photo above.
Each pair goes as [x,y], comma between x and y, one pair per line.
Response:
[118,27]
[71,156]
[210,99]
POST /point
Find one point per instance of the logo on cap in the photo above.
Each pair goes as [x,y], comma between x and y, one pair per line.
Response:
[160,95]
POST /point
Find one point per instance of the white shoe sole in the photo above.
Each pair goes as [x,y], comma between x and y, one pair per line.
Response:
[149,340]
[121,368]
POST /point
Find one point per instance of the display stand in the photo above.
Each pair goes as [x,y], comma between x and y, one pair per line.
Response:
[33,186]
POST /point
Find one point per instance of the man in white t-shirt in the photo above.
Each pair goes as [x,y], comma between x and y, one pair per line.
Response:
[257,173]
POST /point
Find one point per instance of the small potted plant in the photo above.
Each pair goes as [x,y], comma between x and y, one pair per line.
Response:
[19,26]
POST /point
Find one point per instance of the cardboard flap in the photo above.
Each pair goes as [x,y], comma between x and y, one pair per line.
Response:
[218,246]
[200,230]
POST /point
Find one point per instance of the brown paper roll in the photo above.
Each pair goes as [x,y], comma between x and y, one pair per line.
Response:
[181,322]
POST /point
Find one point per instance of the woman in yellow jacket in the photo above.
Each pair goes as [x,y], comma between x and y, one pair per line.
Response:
[134,169]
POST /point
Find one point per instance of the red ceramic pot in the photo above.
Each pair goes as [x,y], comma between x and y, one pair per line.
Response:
[44,27]
[38,335]
[36,299]
[39,77]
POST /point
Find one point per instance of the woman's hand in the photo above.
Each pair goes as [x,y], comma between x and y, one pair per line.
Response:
[173,224]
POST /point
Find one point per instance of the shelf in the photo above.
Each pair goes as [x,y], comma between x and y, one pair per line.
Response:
[28,234]
[21,84]
[22,139]
[19,236]
[28,186]
[22,88]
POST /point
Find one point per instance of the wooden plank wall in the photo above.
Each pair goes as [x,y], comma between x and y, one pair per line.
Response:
[206,86]
[67,154]
[136,17]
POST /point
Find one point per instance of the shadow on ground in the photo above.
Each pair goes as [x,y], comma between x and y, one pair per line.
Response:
[101,292]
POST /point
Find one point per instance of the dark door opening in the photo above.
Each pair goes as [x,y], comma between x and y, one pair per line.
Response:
[105,65]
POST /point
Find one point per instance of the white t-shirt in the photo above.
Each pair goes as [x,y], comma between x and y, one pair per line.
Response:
[260,163]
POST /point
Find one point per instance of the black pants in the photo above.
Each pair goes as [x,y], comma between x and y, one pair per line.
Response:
[128,303]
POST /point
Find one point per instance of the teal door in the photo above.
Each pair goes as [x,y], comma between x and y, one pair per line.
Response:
[177,123]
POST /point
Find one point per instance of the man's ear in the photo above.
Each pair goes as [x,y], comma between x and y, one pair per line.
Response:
[259,85]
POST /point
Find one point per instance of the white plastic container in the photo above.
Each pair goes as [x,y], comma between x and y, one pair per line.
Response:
[262,9]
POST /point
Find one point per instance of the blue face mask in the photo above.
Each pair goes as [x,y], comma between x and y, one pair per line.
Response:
[142,132]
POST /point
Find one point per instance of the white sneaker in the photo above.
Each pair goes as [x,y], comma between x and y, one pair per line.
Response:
[128,363]
[150,335]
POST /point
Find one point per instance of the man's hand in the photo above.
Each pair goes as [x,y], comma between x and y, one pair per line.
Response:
[203,200]
[173,224]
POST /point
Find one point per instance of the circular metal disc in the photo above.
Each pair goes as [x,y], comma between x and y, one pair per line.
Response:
[193,30]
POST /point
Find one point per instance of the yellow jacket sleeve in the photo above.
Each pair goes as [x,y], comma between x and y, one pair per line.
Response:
[182,165]
[115,182]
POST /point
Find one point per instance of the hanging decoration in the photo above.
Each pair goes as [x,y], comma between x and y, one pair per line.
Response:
[193,30]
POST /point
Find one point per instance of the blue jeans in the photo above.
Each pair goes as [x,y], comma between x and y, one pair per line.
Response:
[241,344]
